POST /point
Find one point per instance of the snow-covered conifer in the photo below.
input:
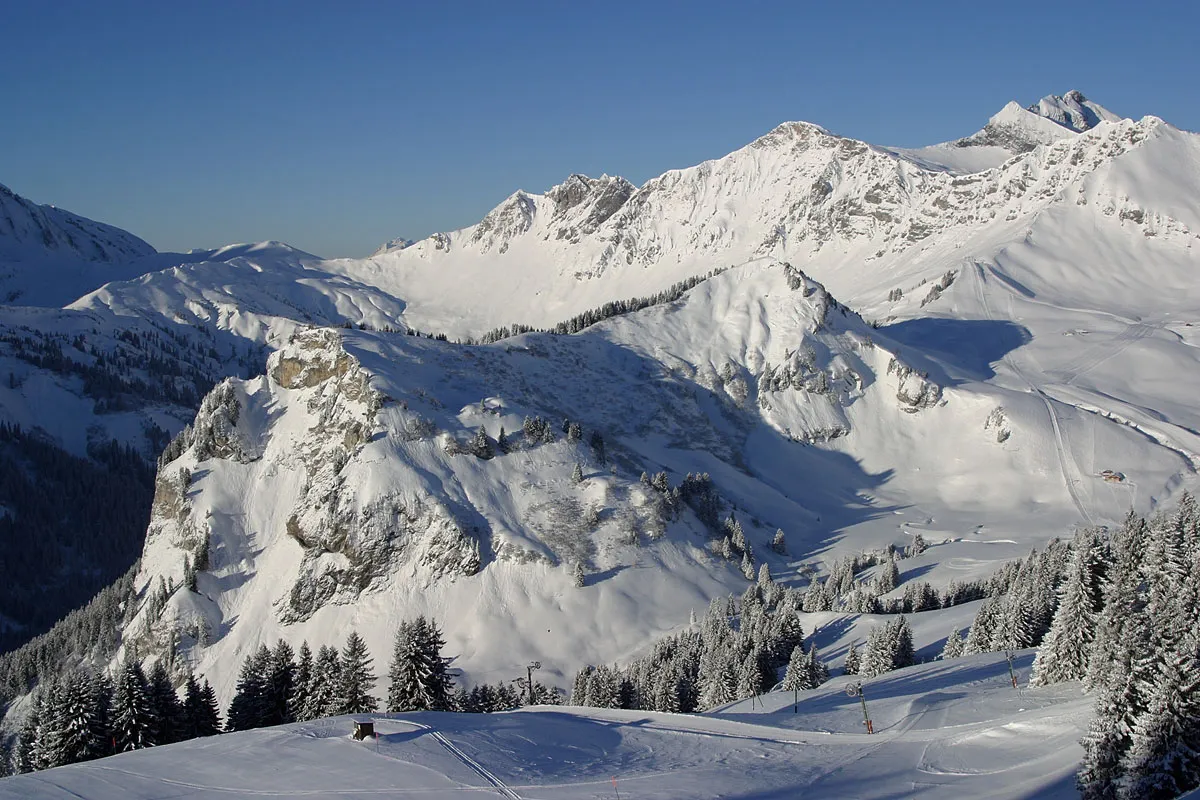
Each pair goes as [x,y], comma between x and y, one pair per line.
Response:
[322,698]
[954,645]
[302,682]
[1064,654]
[888,577]
[851,665]
[171,723]
[779,543]
[133,721]
[248,708]
[1163,760]
[481,445]
[979,636]
[747,565]
[356,678]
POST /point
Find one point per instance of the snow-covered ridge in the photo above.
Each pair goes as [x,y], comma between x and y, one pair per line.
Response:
[49,256]
[27,229]
[371,476]
[798,193]
[1073,110]
[350,478]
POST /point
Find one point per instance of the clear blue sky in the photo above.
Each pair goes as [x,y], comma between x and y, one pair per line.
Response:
[336,126]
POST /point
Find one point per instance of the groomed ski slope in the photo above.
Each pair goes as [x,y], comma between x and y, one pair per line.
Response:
[943,730]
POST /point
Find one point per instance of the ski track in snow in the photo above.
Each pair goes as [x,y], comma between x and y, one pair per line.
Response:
[1070,470]
[501,788]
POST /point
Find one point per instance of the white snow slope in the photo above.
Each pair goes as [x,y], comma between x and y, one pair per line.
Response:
[944,730]
[49,256]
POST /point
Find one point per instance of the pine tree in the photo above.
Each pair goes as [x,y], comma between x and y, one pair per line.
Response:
[579,690]
[208,722]
[578,576]
[818,673]
[302,683]
[248,709]
[193,699]
[481,445]
[786,634]
[779,543]
[717,677]
[356,679]
[437,684]
[954,645]
[1104,746]
[1122,602]
[750,677]
[798,676]
[166,705]
[852,663]
[888,577]
[101,689]
[737,536]
[577,474]
[747,565]
[979,636]
[280,684]
[1065,653]
[1163,760]
[903,654]
[133,720]
[322,698]
[25,755]
[47,747]
[407,673]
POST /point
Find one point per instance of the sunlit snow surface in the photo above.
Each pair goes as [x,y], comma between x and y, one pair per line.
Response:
[943,730]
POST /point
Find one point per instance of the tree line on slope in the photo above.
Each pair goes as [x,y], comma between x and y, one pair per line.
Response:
[86,714]
[738,650]
[1120,611]
[577,323]
[74,523]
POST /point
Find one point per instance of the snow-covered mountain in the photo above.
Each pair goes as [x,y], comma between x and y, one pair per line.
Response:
[49,256]
[1021,365]
[860,218]
[350,487]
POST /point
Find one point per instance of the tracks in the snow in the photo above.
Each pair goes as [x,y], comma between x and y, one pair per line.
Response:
[501,787]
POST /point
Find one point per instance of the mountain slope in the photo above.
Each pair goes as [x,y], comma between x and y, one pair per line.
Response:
[49,256]
[860,219]
[346,488]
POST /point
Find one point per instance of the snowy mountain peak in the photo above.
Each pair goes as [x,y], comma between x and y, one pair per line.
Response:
[1074,111]
[399,243]
[788,133]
